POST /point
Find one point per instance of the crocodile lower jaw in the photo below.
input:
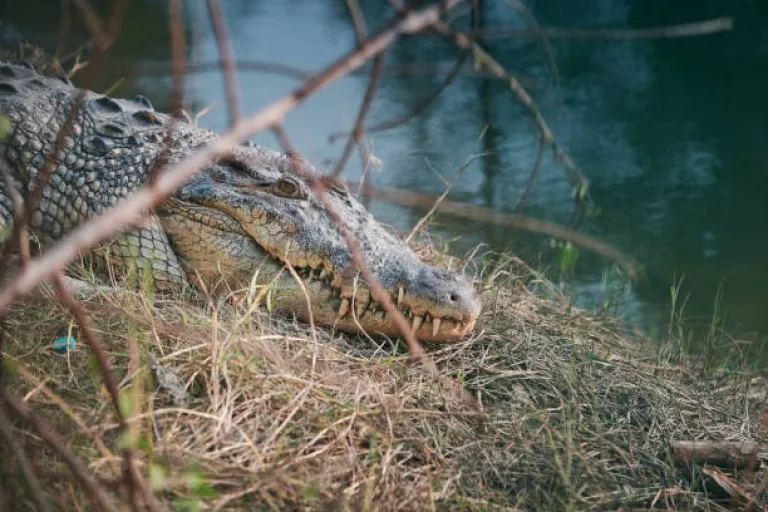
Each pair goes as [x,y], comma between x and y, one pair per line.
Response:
[374,319]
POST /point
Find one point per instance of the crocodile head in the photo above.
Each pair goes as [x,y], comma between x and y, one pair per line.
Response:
[249,216]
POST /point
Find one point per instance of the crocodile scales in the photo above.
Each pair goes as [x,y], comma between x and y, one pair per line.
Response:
[239,222]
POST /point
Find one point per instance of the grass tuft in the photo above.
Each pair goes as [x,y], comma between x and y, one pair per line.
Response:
[574,415]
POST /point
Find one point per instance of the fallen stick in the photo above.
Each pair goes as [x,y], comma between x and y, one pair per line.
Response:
[730,454]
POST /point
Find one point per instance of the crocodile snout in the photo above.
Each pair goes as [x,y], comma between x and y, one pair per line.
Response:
[441,304]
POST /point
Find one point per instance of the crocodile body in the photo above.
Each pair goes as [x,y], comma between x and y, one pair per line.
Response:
[240,222]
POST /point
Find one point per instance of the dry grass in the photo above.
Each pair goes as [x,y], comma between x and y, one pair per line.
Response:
[574,415]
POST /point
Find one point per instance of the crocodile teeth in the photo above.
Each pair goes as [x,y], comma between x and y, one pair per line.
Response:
[400,295]
[323,273]
[417,322]
[344,309]
[435,326]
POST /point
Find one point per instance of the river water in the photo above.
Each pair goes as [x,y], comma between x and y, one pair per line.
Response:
[671,133]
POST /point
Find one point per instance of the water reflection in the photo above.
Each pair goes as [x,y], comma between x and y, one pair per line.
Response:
[671,133]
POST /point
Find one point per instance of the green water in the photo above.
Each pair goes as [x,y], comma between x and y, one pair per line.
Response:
[672,134]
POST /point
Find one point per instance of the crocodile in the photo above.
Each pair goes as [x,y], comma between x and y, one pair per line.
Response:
[250,218]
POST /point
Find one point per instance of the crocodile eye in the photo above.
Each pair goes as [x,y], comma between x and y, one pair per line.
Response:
[288,188]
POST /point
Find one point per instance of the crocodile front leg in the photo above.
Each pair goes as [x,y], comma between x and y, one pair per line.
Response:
[141,254]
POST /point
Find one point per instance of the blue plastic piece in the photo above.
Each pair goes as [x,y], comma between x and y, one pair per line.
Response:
[64,344]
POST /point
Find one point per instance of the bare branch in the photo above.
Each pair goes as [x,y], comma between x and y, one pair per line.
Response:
[277,68]
[480,214]
[358,21]
[132,476]
[128,211]
[420,107]
[698,28]
[532,178]
[432,209]
[91,487]
[543,39]
[178,44]
[227,59]
[355,137]
[100,39]
[578,180]
[6,430]
[423,104]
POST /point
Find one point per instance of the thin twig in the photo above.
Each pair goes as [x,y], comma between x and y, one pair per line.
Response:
[64,25]
[697,28]
[277,68]
[128,211]
[578,180]
[227,59]
[355,137]
[480,214]
[532,178]
[424,103]
[91,487]
[543,39]
[132,476]
[100,39]
[415,350]
[6,430]
[358,21]
[421,105]
[178,53]
[419,225]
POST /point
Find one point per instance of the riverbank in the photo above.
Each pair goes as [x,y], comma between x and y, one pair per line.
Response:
[254,411]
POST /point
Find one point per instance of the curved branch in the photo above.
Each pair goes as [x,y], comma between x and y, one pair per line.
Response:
[532,178]
[480,214]
[130,210]
[543,39]
[276,68]
[698,28]
[578,180]
[422,105]
[227,58]
[89,484]
[355,137]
